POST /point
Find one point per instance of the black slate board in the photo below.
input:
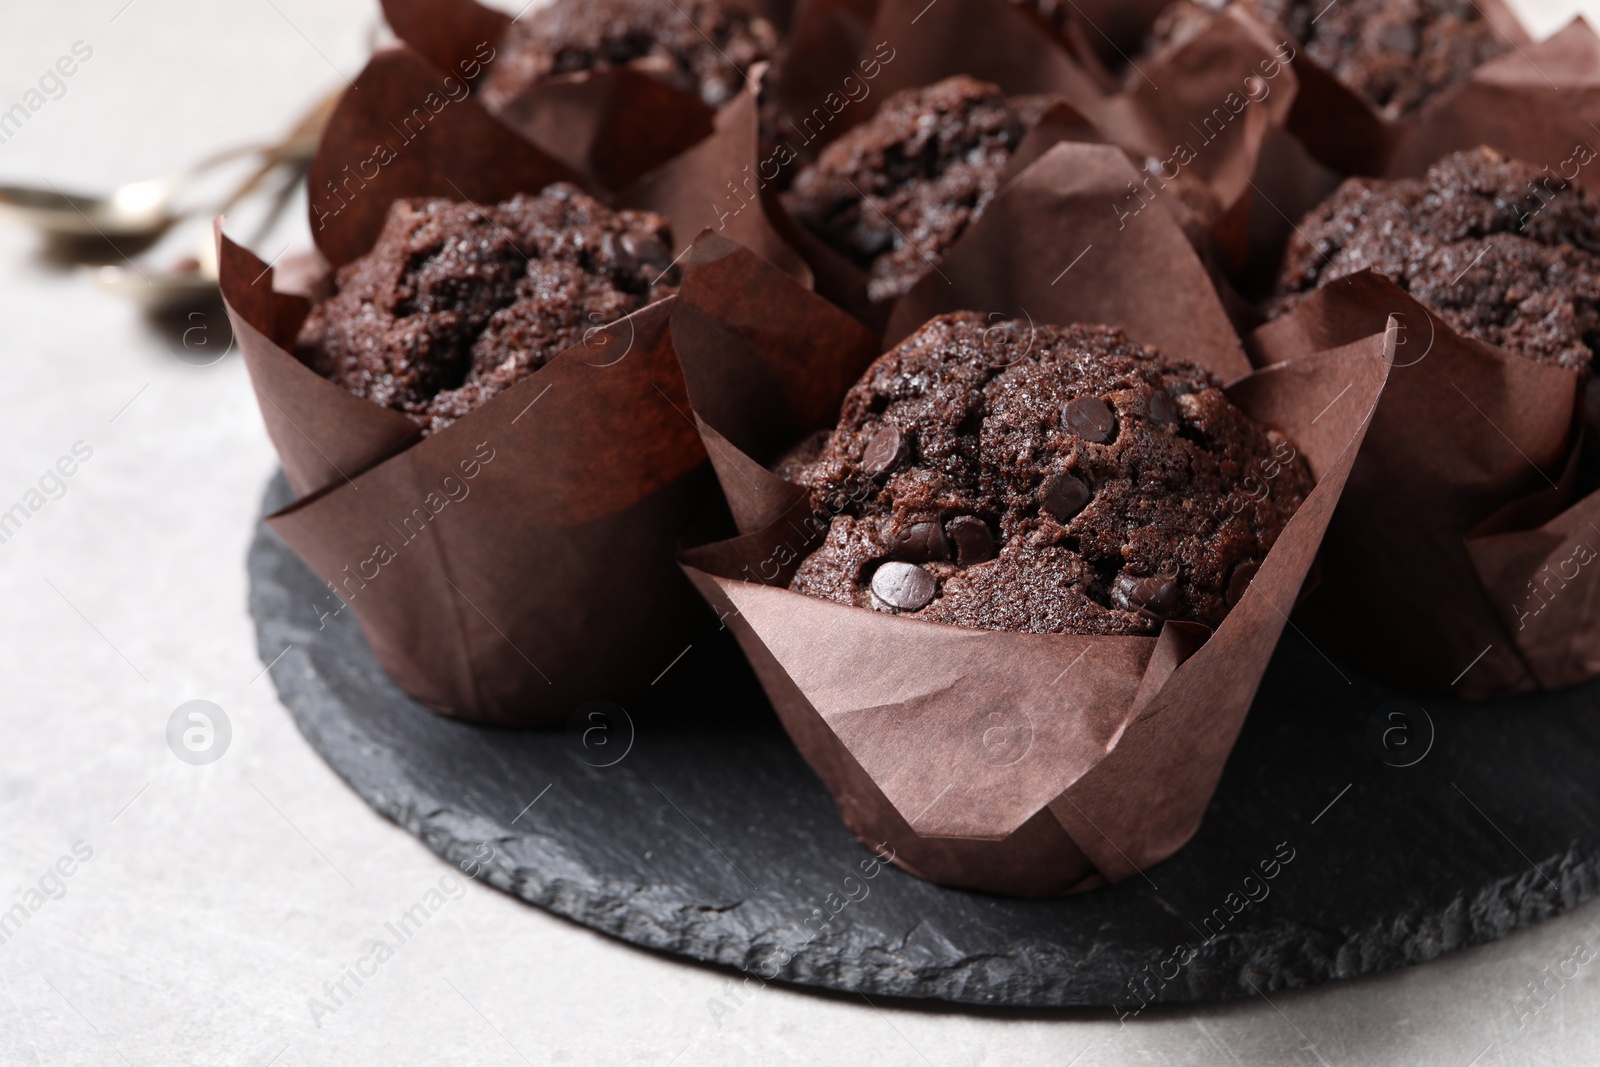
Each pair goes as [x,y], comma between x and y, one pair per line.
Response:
[711,839]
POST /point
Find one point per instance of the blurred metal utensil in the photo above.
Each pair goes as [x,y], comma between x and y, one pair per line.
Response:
[193,281]
[138,210]
[144,210]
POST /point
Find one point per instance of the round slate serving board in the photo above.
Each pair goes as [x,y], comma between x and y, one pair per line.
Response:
[708,837]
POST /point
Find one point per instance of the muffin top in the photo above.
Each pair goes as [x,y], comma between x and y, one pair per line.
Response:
[1500,249]
[893,194]
[457,301]
[701,47]
[1043,479]
[1399,54]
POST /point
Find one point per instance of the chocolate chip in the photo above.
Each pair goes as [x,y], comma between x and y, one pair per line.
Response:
[974,543]
[1163,411]
[1090,418]
[1243,575]
[883,451]
[1151,596]
[647,249]
[921,542]
[902,587]
[1062,496]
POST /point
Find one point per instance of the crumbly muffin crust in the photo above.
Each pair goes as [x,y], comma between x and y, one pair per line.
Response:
[702,47]
[1045,479]
[896,192]
[458,302]
[1499,249]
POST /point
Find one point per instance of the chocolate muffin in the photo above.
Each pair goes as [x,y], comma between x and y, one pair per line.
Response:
[702,47]
[458,302]
[893,194]
[1502,250]
[1049,479]
[1399,54]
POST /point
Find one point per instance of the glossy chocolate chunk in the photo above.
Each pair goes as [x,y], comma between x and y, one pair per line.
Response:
[972,538]
[1062,496]
[1243,574]
[1163,410]
[1090,418]
[921,542]
[647,249]
[1156,596]
[883,451]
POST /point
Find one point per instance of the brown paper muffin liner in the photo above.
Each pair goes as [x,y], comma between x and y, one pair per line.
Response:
[1024,763]
[1459,559]
[513,565]
[1536,102]
[399,133]
[1044,241]
[1112,27]
[1048,248]
[1539,102]
[611,126]
[1199,118]
[520,561]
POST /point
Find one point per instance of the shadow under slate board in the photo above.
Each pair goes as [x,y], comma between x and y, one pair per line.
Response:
[711,839]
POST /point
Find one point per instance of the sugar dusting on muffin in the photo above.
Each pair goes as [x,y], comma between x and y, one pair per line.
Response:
[1043,479]
[1500,250]
[457,302]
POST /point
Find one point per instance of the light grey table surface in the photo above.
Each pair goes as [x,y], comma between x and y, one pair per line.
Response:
[217,900]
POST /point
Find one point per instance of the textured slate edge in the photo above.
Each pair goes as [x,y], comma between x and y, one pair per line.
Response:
[1291,955]
[1298,955]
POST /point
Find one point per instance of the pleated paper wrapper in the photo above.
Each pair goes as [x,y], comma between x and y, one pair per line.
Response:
[612,126]
[1034,764]
[407,129]
[520,561]
[1460,560]
[1200,116]
[1538,101]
